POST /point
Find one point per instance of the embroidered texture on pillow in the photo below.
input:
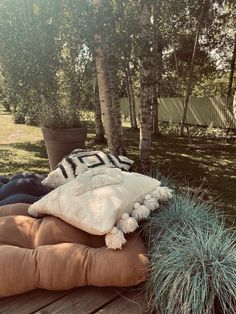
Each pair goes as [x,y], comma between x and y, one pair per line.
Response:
[105,201]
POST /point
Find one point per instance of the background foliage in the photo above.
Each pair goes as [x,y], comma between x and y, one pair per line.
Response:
[47,51]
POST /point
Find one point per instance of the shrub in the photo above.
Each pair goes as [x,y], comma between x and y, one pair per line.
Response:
[194,130]
[6,104]
[18,117]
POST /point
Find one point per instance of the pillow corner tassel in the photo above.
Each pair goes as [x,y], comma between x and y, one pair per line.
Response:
[140,212]
[162,194]
[127,224]
[115,239]
[150,202]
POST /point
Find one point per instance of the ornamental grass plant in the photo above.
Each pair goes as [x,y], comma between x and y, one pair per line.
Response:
[192,258]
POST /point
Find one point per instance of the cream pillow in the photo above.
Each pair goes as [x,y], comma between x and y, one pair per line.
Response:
[80,161]
[104,201]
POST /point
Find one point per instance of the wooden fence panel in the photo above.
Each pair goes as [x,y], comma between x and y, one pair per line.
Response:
[201,111]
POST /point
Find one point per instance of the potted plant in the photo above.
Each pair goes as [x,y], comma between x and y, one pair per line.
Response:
[62,129]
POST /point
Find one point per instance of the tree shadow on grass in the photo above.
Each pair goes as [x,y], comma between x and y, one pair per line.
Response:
[23,157]
[211,170]
[38,148]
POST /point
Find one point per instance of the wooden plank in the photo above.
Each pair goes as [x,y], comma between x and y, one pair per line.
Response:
[83,301]
[30,302]
[130,303]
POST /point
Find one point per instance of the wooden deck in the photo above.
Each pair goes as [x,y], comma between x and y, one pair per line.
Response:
[80,301]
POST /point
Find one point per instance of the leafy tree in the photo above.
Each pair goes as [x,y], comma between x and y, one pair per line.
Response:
[148,48]
[29,51]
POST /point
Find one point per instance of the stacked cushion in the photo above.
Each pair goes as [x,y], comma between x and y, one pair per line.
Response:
[51,254]
[26,187]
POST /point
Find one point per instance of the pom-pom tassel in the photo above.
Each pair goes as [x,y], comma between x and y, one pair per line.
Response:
[115,239]
[140,211]
[127,224]
[162,194]
[151,202]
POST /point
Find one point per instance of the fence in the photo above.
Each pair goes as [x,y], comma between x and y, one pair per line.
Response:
[201,111]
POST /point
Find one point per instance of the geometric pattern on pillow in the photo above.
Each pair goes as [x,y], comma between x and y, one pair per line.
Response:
[80,161]
[98,158]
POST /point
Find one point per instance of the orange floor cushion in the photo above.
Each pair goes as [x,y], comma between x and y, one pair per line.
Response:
[50,254]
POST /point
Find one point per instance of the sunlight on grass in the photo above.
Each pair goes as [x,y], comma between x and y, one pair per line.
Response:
[16,160]
[23,150]
[11,132]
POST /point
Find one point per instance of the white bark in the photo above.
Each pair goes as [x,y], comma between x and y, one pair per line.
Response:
[157,64]
[146,88]
[98,118]
[130,87]
[231,77]
[234,105]
[115,103]
[129,98]
[190,83]
[113,139]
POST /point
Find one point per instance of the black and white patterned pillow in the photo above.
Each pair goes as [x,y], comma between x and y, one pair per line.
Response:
[80,161]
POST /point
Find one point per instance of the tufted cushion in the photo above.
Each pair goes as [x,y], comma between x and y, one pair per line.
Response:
[80,161]
[14,210]
[51,254]
[28,186]
[21,188]
[104,201]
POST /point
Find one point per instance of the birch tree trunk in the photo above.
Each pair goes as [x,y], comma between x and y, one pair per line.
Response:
[113,139]
[204,9]
[234,105]
[157,64]
[156,129]
[129,99]
[190,83]
[176,61]
[231,77]
[132,99]
[133,116]
[116,107]
[98,117]
[146,82]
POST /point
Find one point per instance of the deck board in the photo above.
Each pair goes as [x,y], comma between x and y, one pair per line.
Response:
[30,302]
[83,300]
[86,300]
[130,303]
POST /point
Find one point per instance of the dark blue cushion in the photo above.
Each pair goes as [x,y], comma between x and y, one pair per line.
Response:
[23,186]
[19,198]
[3,179]
[27,176]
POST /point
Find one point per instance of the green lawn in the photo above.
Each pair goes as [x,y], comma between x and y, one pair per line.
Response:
[212,170]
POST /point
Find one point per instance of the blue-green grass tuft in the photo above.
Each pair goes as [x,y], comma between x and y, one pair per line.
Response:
[192,258]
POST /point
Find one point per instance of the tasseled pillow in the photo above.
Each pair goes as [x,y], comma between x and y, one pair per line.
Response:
[104,201]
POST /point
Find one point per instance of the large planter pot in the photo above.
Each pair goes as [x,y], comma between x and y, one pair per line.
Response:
[60,142]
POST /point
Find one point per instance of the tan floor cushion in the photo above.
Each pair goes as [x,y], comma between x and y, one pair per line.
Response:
[51,254]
